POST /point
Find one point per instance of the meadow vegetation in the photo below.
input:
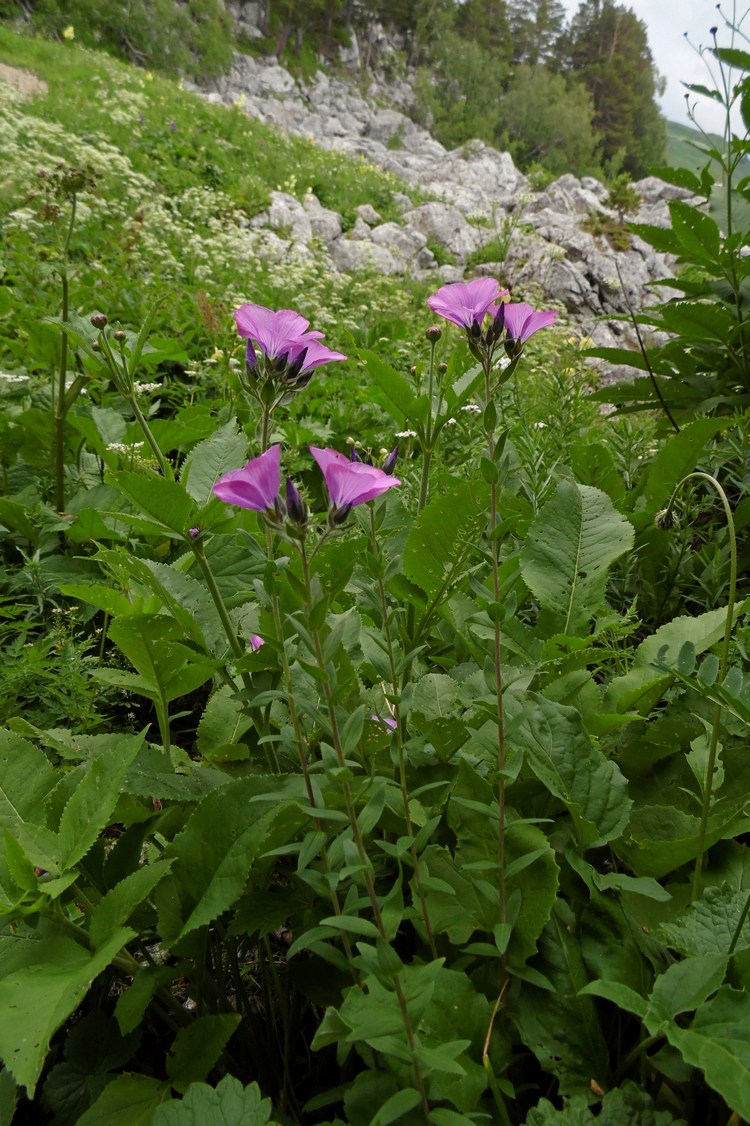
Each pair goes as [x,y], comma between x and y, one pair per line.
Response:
[373,709]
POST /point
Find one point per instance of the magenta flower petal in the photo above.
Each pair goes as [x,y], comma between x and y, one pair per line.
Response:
[315,354]
[275,333]
[351,482]
[466,303]
[256,485]
[521,321]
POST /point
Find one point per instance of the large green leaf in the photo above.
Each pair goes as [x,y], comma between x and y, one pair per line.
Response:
[226,836]
[718,1042]
[26,779]
[227,1104]
[440,535]
[212,458]
[36,998]
[164,501]
[562,756]
[129,1100]
[167,667]
[197,1048]
[568,550]
[89,809]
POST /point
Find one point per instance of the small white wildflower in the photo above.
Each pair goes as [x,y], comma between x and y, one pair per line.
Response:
[472,408]
[406,434]
[146,388]
[540,425]
[450,422]
[123,448]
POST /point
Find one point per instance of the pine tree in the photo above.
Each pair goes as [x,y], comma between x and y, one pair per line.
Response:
[535,26]
[607,49]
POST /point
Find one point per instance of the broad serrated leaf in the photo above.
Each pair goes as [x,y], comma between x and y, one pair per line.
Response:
[440,535]
[570,546]
[709,926]
[226,836]
[38,997]
[197,1048]
[227,1104]
[89,809]
[222,725]
[121,901]
[166,502]
[129,1100]
[683,987]
[153,644]
[718,1042]
[562,756]
[211,459]
[697,232]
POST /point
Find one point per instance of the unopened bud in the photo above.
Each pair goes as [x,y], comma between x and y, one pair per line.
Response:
[413,369]
[666,519]
[433,334]
[295,506]
[96,346]
[98,320]
[390,461]
[119,335]
[442,368]
[194,532]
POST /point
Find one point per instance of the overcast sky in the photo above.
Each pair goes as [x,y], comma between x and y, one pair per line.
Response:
[666,21]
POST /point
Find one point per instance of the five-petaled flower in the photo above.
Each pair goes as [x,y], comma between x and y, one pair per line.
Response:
[284,337]
[350,482]
[256,485]
[466,303]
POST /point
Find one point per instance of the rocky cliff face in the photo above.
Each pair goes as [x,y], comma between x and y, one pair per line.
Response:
[478,198]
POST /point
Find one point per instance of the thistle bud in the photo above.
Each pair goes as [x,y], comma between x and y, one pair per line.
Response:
[98,320]
[666,519]
[433,333]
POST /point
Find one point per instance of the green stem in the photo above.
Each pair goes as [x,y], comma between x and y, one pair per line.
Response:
[364,859]
[235,644]
[60,408]
[162,462]
[301,743]
[738,928]
[497,652]
[723,665]
[400,737]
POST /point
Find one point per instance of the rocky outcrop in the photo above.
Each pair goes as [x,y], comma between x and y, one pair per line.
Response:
[477,200]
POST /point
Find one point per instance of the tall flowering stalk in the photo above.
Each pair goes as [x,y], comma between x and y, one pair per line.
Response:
[503,335]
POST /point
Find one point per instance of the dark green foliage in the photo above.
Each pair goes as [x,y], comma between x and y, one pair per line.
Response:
[606,48]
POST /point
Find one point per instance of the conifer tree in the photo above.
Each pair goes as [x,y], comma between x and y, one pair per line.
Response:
[607,49]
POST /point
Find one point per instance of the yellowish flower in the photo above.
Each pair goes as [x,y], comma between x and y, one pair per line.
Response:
[69,32]
[149,76]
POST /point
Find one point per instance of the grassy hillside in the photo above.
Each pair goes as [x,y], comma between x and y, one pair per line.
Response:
[682,153]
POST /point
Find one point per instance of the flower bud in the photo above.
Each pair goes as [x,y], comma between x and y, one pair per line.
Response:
[666,519]
[442,368]
[295,506]
[433,333]
[390,461]
[119,335]
[194,532]
[96,346]
[98,320]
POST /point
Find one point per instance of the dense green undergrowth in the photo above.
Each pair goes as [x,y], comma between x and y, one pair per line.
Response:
[429,806]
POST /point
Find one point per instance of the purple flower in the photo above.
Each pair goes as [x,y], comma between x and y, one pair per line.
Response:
[284,336]
[256,642]
[466,303]
[256,485]
[351,482]
[521,322]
